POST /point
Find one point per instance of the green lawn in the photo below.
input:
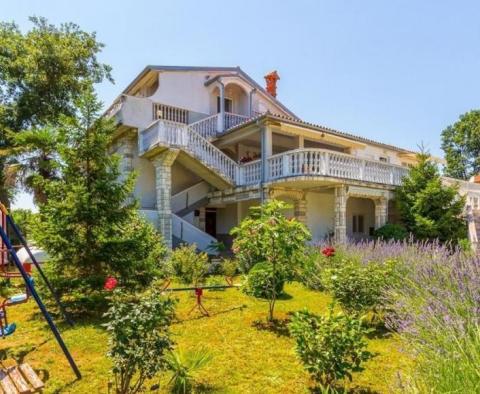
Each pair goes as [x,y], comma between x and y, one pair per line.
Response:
[246,358]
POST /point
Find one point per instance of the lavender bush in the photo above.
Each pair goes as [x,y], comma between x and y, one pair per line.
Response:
[435,307]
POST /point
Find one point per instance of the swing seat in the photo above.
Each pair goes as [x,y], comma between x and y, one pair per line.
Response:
[17,299]
[8,330]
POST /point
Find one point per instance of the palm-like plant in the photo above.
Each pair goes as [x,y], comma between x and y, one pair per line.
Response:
[184,365]
[32,160]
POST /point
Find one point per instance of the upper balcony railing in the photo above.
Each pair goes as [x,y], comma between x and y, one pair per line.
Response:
[211,126]
[322,162]
[301,162]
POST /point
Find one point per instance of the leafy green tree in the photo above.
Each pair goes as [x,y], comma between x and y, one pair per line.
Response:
[42,73]
[461,144]
[266,235]
[33,156]
[428,208]
[24,218]
[89,224]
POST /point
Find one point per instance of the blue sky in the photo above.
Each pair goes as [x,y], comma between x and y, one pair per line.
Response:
[394,71]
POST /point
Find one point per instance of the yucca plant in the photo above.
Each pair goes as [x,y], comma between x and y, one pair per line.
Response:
[184,366]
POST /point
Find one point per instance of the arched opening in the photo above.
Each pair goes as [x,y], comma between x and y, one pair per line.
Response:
[236,100]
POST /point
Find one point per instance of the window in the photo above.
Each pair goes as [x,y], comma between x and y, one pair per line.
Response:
[358,225]
[228,104]
[383,159]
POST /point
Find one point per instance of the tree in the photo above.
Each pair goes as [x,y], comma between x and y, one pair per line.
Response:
[89,224]
[268,236]
[33,156]
[428,208]
[461,144]
[42,73]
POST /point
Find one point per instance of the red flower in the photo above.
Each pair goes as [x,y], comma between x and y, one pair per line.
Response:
[328,251]
[110,283]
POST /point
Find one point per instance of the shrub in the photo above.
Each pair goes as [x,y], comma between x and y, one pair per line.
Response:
[229,267]
[187,265]
[262,282]
[317,263]
[360,288]
[184,366]
[268,236]
[391,231]
[139,338]
[330,347]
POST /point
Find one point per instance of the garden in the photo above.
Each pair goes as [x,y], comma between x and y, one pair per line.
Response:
[397,313]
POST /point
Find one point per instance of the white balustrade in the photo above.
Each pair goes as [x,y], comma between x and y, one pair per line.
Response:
[249,173]
[329,163]
[299,162]
[232,120]
[206,127]
[171,134]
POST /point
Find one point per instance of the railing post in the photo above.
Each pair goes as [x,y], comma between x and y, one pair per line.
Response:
[239,175]
[285,164]
[362,170]
[327,163]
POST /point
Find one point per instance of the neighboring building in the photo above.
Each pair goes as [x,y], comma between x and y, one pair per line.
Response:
[207,143]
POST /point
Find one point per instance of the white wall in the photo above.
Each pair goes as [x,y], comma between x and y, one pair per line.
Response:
[226,218]
[182,178]
[320,214]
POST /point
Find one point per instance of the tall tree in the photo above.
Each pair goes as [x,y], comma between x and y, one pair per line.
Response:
[428,208]
[89,224]
[42,73]
[461,144]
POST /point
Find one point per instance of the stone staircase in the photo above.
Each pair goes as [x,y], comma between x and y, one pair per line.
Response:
[185,203]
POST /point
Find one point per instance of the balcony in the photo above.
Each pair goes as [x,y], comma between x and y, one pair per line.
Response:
[294,163]
[322,162]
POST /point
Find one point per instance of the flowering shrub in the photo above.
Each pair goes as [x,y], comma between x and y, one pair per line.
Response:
[110,283]
[435,307]
[328,251]
[360,288]
[330,347]
[139,337]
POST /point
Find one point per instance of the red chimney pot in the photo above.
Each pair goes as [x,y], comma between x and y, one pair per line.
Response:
[271,80]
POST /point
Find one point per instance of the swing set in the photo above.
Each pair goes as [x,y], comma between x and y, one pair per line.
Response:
[24,271]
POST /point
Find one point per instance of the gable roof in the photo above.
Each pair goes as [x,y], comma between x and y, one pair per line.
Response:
[234,70]
[316,127]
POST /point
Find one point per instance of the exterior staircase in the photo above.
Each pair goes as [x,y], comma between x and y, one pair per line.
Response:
[183,204]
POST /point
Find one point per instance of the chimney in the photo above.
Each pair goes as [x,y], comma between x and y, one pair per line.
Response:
[271,80]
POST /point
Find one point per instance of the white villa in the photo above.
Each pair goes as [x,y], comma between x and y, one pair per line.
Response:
[207,143]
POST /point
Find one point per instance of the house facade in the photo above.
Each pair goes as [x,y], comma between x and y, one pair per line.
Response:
[207,143]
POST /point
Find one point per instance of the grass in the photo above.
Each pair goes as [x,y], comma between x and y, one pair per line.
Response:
[247,357]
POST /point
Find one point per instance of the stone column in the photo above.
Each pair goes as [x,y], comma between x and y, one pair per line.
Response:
[221,117]
[300,210]
[340,230]
[381,212]
[163,186]
[201,218]
[125,148]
